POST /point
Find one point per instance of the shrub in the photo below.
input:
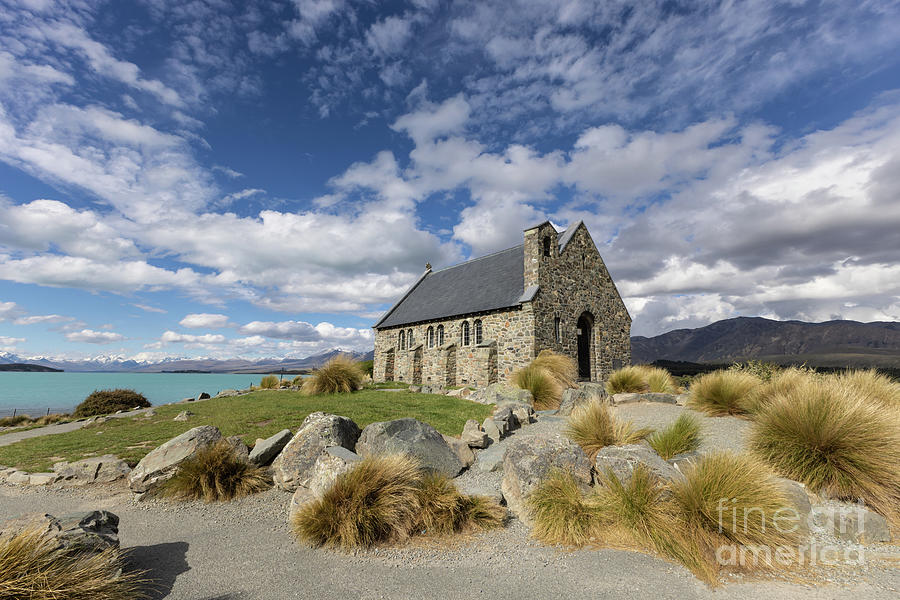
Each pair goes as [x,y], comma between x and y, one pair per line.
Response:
[32,566]
[104,402]
[559,366]
[543,386]
[297,381]
[658,380]
[15,421]
[216,473]
[444,510]
[340,374]
[872,385]
[285,384]
[50,419]
[626,380]
[681,436]
[834,440]
[368,367]
[269,382]
[561,514]
[593,427]
[722,392]
[763,371]
[779,383]
[739,497]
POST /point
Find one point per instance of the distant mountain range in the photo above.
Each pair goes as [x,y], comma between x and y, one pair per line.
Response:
[111,364]
[829,344]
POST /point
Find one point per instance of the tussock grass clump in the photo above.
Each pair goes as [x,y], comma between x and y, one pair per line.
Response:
[214,474]
[104,402]
[722,392]
[872,385]
[32,566]
[385,499]
[627,380]
[15,421]
[341,374]
[778,383]
[659,380]
[835,440]
[764,371]
[561,514]
[269,382]
[593,427]
[560,367]
[543,386]
[681,436]
[738,497]
[297,381]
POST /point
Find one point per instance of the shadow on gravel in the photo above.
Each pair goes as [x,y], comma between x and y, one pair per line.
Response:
[163,563]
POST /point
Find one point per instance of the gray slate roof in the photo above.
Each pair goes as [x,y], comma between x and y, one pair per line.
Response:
[487,283]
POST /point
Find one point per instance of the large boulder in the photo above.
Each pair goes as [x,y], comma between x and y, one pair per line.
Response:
[265,451]
[160,465]
[499,393]
[414,438]
[461,450]
[528,460]
[575,398]
[623,460]
[93,531]
[97,469]
[318,431]
[332,461]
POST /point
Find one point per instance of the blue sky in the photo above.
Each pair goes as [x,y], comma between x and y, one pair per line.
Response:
[206,178]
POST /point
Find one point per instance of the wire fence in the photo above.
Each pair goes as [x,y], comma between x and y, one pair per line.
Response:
[33,412]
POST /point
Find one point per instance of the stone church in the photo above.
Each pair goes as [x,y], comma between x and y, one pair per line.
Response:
[477,322]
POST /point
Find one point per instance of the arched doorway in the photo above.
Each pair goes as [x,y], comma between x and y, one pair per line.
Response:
[584,334]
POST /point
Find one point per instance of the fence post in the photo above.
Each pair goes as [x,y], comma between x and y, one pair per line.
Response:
[14,412]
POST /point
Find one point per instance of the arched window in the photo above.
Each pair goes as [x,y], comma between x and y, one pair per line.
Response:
[440,335]
[409,338]
[431,337]
[401,342]
[547,246]
[477,331]
[464,333]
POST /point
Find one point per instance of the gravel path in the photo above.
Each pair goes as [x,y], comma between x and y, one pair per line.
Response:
[718,432]
[243,550]
[11,438]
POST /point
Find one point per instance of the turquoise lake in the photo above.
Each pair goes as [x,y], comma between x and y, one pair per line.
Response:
[34,393]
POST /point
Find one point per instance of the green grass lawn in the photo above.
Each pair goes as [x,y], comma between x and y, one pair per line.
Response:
[255,415]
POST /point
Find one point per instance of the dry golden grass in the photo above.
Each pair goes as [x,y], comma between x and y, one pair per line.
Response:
[214,474]
[561,514]
[544,388]
[835,440]
[722,392]
[681,436]
[627,380]
[341,374]
[658,380]
[593,427]
[32,567]
[269,382]
[386,499]
[560,367]
[871,385]
[779,382]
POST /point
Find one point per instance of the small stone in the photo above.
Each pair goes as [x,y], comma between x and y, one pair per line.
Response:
[240,448]
[474,435]
[265,451]
[492,430]
[97,469]
[42,478]
[203,396]
[183,416]
[859,525]
[623,460]
[461,449]
[415,389]
[18,478]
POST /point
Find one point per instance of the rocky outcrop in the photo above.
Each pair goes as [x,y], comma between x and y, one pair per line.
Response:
[160,464]
[265,451]
[621,461]
[528,461]
[414,438]
[98,469]
[92,531]
[332,461]
[293,466]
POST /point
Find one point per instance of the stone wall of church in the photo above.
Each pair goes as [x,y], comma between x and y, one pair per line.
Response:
[572,283]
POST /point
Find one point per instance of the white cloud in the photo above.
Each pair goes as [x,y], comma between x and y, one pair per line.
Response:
[9,344]
[89,336]
[152,309]
[204,320]
[34,319]
[388,36]
[171,337]
[9,310]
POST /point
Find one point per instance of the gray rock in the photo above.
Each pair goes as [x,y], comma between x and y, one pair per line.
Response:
[461,449]
[474,435]
[160,464]
[799,499]
[18,478]
[491,459]
[460,392]
[331,462]
[265,451]
[529,459]
[426,389]
[317,432]
[240,448]
[498,393]
[227,393]
[858,525]
[648,397]
[524,413]
[97,469]
[42,478]
[414,438]
[183,416]
[506,415]
[150,413]
[681,461]
[203,396]
[415,389]
[493,429]
[623,460]
[575,398]
[92,531]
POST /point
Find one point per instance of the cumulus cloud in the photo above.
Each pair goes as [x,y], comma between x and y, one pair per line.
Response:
[204,320]
[9,344]
[89,336]
[185,338]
